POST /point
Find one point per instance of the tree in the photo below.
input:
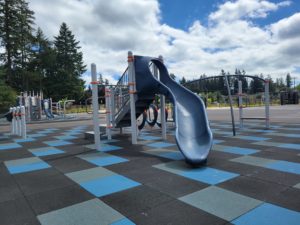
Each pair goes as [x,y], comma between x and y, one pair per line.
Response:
[288,80]
[66,81]
[172,75]
[182,81]
[7,94]
[16,21]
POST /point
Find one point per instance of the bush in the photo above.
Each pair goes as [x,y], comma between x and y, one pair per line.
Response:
[7,97]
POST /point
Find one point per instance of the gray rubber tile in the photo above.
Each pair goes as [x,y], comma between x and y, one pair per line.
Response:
[86,213]
[136,200]
[89,174]
[297,186]
[252,160]
[17,212]
[220,202]
[47,201]
[176,213]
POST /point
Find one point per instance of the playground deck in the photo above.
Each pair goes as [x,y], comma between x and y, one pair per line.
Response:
[55,177]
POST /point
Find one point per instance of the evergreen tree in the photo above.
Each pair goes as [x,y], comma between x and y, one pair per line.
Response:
[8,33]
[16,21]
[182,81]
[66,82]
[288,80]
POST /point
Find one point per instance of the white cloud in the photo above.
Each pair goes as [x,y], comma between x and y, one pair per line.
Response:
[108,29]
[233,10]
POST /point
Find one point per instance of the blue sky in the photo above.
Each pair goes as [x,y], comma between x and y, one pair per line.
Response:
[194,36]
[181,14]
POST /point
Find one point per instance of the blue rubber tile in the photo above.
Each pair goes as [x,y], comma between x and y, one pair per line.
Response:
[107,148]
[160,144]
[253,138]
[172,155]
[46,132]
[124,221]
[57,143]
[292,146]
[108,185]
[23,140]
[9,146]
[215,141]
[149,138]
[65,137]
[106,161]
[240,151]
[36,135]
[209,175]
[108,141]
[285,166]
[267,214]
[45,151]
[28,167]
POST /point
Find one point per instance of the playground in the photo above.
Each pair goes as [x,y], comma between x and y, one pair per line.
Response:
[55,176]
[190,169]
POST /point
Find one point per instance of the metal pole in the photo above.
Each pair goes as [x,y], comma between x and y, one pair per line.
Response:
[132,91]
[108,95]
[162,109]
[267,103]
[95,107]
[23,123]
[12,121]
[241,103]
[18,117]
[230,102]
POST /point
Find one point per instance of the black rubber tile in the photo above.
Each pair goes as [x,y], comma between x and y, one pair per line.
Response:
[70,164]
[13,154]
[136,200]
[17,212]
[176,213]
[275,176]
[289,198]
[40,181]
[173,185]
[73,149]
[34,144]
[47,201]
[3,170]
[9,189]
[255,188]
[234,167]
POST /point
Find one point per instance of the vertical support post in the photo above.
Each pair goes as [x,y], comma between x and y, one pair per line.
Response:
[12,121]
[163,110]
[132,91]
[267,103]
[230,102]
[18,117]
[23,123]
[95,107]
[108,96]
[241,104]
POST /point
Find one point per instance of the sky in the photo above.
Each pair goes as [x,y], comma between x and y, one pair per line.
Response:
[195,37]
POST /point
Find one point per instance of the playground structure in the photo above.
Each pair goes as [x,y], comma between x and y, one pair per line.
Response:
[36,106]
[18,121]
[135,91]
[240,95]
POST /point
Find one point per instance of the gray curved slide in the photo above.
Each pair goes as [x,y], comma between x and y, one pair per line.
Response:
[193,134]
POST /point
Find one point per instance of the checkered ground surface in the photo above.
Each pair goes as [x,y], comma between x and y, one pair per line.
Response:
[56,177]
